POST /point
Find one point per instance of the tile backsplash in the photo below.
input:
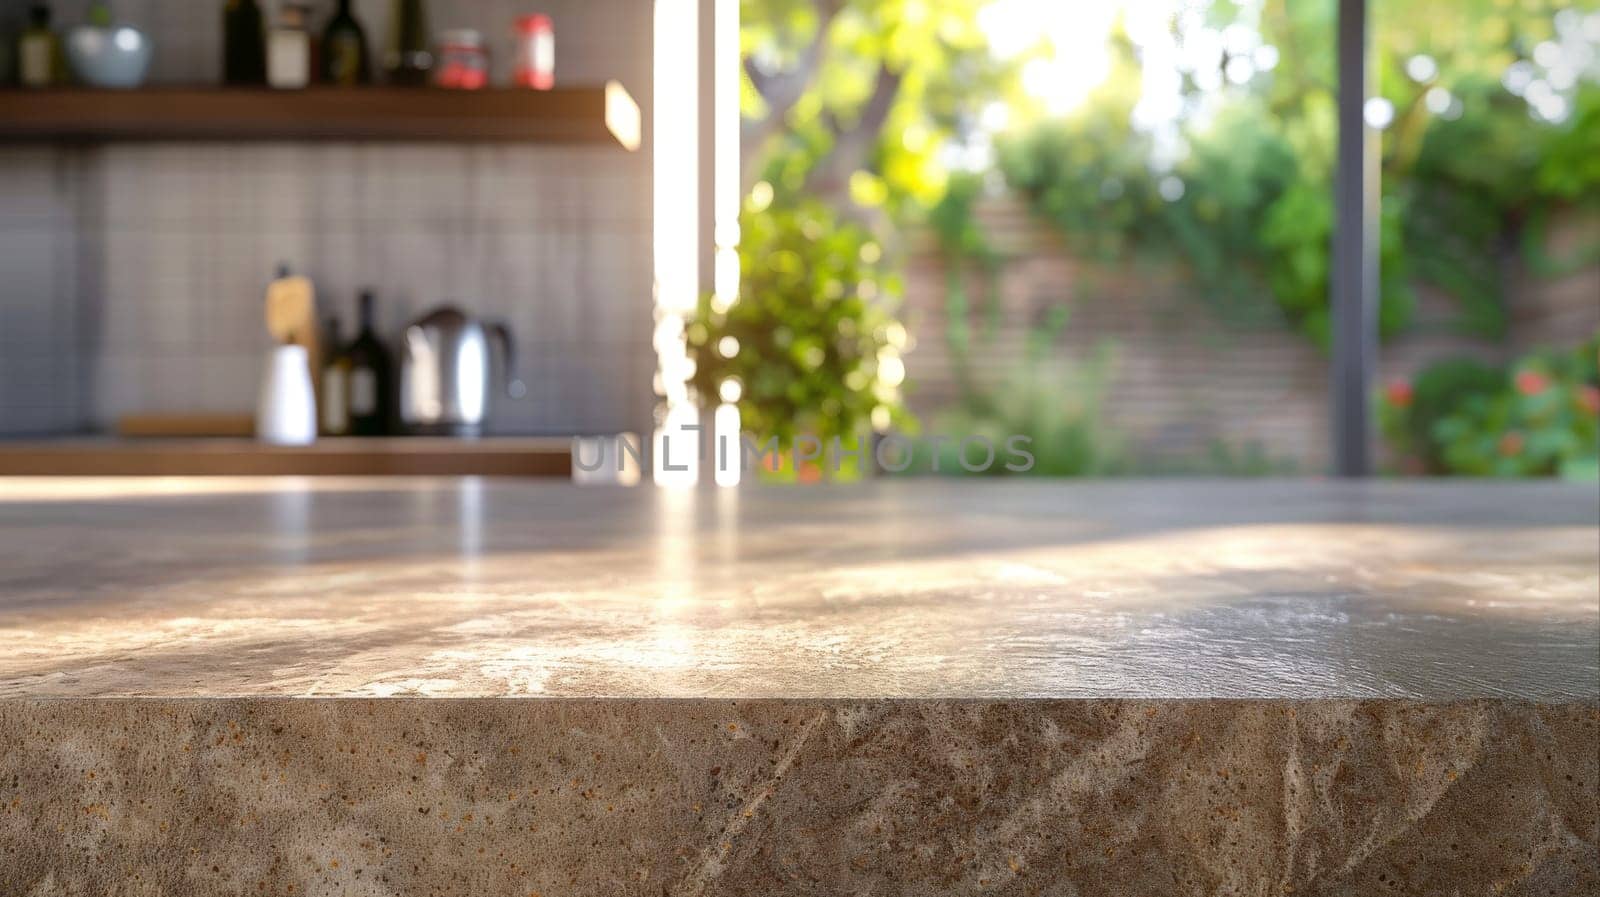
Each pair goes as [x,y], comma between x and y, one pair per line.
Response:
[133,273]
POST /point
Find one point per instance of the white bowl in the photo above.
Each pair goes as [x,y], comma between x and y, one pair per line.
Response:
[117,56]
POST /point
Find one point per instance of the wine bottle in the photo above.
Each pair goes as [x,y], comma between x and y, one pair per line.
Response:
[344,50]
[334,406]
[244,54]
[406,59]
[369,377]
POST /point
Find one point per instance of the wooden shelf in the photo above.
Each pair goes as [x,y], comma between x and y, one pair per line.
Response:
[601,114]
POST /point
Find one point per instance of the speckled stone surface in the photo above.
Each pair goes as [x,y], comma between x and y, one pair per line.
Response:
[556,797]
[471,688]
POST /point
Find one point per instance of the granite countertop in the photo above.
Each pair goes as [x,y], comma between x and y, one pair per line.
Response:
[472,687]
[881,590]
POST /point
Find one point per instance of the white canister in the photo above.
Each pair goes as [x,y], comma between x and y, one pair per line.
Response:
[288,58]
[286,411]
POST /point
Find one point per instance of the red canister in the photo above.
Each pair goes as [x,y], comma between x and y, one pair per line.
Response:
[463,63]
[536,53]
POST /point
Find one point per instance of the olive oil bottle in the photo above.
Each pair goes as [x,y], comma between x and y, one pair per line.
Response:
[406,59]
[345,59]
[334,405]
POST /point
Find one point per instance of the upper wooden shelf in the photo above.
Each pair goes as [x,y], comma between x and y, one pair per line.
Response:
[601,114]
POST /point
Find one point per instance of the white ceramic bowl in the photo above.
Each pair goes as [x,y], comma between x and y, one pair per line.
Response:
[116,56]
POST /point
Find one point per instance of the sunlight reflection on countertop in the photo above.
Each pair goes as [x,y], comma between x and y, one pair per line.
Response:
[886,589]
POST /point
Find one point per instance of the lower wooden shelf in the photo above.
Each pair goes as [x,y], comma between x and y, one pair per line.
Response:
[344,456]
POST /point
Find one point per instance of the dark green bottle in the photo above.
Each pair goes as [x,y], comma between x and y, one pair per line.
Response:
[345,61]
[244,50]
[406,59]
[371,394]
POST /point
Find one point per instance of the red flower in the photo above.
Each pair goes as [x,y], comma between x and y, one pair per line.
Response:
[1511,444]
[1399,393]
[1531,383]
[1589,398]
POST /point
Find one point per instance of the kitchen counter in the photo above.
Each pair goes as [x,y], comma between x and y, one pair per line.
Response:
[895,687]
[512,456]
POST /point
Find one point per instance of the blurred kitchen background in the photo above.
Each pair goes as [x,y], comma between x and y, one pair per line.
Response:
[135,270]
[1106,226]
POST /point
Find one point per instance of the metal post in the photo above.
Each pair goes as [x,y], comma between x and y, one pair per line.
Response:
[1354,280]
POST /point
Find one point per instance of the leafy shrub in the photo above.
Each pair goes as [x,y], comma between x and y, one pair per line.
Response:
[1537,418]
[808,337]
[1222,458]
[1410,410]
[1054,401]
[1569,166]
[1066,433]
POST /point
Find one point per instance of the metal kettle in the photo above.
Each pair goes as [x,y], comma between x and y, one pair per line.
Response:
[447,371]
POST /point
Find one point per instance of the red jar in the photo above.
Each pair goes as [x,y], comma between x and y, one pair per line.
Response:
[536,53]
[463,63]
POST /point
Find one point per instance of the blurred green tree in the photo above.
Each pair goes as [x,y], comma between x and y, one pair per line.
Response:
[1490,119]
[851,101]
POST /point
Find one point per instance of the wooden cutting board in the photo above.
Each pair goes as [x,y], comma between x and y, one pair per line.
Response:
[291,314]
[190,424]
